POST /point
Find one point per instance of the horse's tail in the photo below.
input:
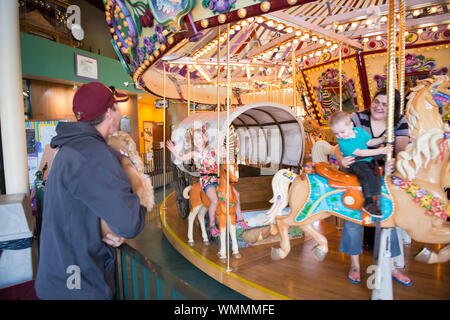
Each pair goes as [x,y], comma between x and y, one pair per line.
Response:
[280,187]
[186,192]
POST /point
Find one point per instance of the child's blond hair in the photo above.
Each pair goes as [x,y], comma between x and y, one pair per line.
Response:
[338,117]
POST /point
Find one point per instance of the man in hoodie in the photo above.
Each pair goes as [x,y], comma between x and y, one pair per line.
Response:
[86,183]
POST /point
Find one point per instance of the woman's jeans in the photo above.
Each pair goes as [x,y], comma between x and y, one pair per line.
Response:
[351,240]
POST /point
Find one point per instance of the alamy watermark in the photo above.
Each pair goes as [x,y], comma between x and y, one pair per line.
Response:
[74,280]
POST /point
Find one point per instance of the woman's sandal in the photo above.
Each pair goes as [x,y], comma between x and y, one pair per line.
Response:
[242,224]
[354,277]
[402,279]
[214,231]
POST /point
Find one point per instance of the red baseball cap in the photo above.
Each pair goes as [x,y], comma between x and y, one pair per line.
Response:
[93,99]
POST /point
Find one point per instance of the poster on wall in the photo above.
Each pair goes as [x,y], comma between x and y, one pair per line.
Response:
[125,124]
[86,67]
[148,137]
[38,135]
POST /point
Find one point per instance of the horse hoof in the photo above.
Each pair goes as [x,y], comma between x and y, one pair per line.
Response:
[191,243]
[276,253]
[319,254]
[237,255]
[223,259]
[205,242]
[423,255]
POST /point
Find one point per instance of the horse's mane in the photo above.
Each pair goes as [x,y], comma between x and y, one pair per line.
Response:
[411,107]
[410,161]
[320,151]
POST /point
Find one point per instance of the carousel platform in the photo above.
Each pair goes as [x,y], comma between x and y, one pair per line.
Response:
[299,276]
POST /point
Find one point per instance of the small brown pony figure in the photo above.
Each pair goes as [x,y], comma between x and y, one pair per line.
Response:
[200,204]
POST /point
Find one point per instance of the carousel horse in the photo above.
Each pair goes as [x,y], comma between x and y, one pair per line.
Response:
[200,204]
[134,169]
[425,97]
[413,198]
[312,134]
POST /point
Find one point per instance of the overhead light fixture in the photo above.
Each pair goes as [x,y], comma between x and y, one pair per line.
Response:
[203,73]
[281,71]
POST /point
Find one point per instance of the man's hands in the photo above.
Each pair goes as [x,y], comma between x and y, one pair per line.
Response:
[113,240]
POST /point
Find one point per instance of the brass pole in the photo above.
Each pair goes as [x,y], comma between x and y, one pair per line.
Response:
[340,77]
[188,90]
[294,79]
[228,147]
[401,53]
[164,135]
[218,101]
[390,76]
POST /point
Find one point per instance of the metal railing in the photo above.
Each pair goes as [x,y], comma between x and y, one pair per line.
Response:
[154,165]
[138,278]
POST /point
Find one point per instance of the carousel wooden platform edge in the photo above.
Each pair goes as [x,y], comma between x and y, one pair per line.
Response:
[217,272]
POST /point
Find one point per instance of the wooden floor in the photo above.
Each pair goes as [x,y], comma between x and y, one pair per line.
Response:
[300,276]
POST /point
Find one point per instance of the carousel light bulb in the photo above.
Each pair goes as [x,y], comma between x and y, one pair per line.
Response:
[416,12]
[251,19]
[270,23]
[289,30]
[288,44]
[298,33]
[232,31]
[260,19]
[204,23]
[292,2]
[244,23]
[280,26]
[302,38]
[314,38]
[434,29]
[328,43]
[369,22]
[340,27]
[321,41]
[366,39]
[306,35]
[378,38]
[242,13]
[282,47]
[420,31]
[354,24]
[222,18]
[383,19]
[433,9]
[265,6]
[237,27]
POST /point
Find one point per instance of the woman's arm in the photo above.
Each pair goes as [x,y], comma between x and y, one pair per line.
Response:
[182,157]
[372,152]
[376,141]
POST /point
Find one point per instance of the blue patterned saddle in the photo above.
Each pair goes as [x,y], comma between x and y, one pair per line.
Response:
[322,197]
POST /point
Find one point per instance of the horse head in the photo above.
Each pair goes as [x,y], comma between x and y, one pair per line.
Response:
[233,171]
[427,103]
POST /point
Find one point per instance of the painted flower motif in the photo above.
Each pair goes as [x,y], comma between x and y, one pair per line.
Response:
[149,45]
[421,193]
[412,190]
[159,33]
[141,54]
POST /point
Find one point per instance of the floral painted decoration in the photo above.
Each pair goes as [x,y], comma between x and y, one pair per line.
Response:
[219,6]
[224,200]
[289,175]
[434,205]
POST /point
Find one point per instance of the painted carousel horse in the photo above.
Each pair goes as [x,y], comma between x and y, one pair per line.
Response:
[200,204]
[428,95]
[134,169]
[413,198]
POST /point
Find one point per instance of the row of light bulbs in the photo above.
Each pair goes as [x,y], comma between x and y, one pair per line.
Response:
[383,19]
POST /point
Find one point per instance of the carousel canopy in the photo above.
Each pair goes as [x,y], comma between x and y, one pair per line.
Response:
[267,38]
[261,133]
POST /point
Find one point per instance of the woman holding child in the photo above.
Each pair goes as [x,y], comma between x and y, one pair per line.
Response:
[373,122]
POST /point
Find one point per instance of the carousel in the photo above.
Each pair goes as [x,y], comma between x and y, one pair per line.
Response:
[260,79]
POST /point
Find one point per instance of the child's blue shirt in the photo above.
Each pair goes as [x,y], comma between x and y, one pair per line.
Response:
[348,146]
